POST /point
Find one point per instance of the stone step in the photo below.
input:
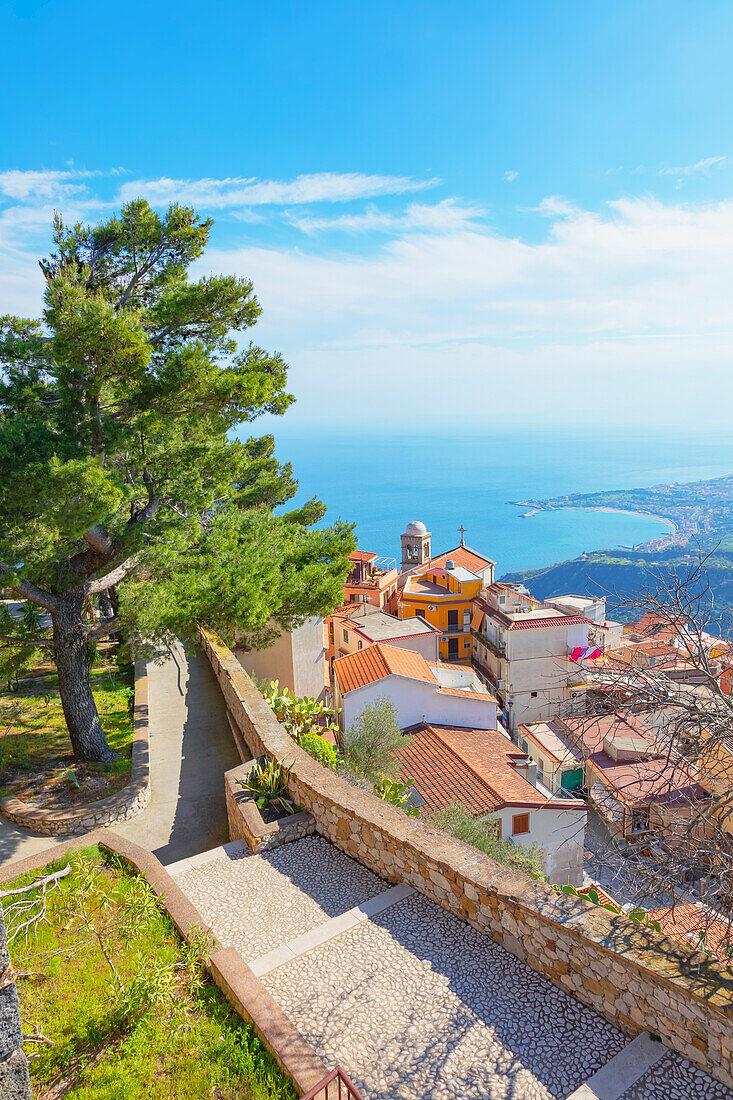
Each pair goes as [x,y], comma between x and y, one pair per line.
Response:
[623,1071]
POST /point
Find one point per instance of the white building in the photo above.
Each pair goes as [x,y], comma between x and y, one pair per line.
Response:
[297,659]
[366,625]
[420,691]
[494,780]
[525,649]
[604,632]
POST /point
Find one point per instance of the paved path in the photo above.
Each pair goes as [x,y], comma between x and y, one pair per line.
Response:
[413,1002]
[191,747]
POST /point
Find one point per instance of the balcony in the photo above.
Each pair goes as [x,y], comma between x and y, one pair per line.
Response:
[465,629]
[499,651]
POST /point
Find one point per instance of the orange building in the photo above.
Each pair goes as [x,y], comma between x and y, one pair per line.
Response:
[444,598]
[371,579]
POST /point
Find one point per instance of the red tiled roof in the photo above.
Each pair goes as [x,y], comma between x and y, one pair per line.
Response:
[472,766]
[462,556]
[362,555]
[560,620]
[366,666]
[685,922]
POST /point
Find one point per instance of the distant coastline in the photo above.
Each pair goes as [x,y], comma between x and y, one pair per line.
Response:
[535,509]
[701,511]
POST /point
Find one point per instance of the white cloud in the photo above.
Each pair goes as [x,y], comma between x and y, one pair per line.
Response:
[622,313]
[218,194]
[25,186]
[692,169]
[441,217]
[510,175]
[625,314]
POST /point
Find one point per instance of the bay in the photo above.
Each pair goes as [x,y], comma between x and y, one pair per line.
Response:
[447,478]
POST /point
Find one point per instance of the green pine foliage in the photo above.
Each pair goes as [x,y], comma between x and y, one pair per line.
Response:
[129,502]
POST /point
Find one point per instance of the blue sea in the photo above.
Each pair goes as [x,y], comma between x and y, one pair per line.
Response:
[383,480]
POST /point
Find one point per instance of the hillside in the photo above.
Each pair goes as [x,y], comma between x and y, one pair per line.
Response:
[617,577]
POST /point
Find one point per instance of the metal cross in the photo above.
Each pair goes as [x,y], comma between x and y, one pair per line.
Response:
[462,529]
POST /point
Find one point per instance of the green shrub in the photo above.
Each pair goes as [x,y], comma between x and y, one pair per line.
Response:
[396,794]
[320,749]
[484,835]
[371,742]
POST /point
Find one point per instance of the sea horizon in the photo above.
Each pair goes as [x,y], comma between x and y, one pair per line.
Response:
[452,479]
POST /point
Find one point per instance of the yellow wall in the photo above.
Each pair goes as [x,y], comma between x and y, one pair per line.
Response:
[459,597]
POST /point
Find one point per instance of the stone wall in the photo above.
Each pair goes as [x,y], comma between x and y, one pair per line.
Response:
[106,811]
[246,822]
[634,977]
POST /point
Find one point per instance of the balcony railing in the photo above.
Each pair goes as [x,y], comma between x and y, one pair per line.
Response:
[335,1086]
[457,629]
[498,651]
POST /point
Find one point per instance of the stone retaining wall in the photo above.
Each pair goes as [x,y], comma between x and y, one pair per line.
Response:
[246,822]
[634,977]
[106,811]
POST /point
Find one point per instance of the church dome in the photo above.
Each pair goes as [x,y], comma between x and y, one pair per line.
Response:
[416,528]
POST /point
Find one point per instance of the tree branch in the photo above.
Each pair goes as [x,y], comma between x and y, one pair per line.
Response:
[25,641]
[98,539]
[99,631]
[113,577]
[30,591]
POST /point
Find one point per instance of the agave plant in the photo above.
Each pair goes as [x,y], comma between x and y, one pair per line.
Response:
[268,781]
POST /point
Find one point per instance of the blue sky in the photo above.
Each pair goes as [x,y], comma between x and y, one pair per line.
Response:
[452,213]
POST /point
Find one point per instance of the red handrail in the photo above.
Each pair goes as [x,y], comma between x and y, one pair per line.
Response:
[347,1090]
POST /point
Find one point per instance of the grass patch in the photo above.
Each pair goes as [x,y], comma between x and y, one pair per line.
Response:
[156,1027]
[36,760]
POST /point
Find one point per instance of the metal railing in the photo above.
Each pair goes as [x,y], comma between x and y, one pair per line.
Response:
[497,650]
[336,1085]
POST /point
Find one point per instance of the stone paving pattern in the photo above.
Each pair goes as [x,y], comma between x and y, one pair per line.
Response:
[414,1003]
[674,1078]
[258,902]
[417,1005]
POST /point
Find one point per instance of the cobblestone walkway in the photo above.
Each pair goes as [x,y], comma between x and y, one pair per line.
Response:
[413,1002]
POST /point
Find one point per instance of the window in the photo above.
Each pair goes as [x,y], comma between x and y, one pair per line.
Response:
[420,612]
[533,694]
[346,635]
[360,645]
[502,599]
[467,643]
[520,824]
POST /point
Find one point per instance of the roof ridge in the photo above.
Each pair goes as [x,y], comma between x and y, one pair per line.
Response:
[470,766]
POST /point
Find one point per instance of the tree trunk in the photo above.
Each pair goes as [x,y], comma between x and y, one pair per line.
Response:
[80,710]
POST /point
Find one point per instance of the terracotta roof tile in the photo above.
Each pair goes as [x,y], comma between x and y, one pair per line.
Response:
[685,923]
[366,666]
[457,764]
[461,555]
[559,620]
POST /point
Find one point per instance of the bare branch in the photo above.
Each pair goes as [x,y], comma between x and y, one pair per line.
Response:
[9,640]
[29,910]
